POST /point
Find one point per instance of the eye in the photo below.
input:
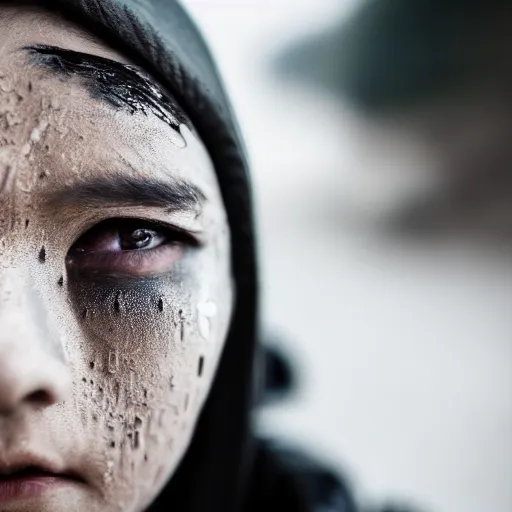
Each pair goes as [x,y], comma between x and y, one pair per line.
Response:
[130,247]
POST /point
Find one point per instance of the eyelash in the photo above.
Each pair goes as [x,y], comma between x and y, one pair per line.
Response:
[130,262]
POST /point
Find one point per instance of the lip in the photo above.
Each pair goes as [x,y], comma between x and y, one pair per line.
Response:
[30,477]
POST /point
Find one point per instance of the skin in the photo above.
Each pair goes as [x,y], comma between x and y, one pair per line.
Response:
[104,363]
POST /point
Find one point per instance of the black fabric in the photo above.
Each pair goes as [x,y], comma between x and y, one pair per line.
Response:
[285,479]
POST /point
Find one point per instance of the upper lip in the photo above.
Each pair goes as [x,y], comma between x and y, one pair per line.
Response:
[32,463]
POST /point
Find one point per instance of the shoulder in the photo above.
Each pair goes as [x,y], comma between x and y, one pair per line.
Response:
[287,479]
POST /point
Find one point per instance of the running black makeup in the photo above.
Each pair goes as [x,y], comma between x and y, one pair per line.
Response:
[120,85]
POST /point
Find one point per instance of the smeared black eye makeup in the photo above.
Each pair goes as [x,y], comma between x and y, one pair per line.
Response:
[128,247]
[120,85]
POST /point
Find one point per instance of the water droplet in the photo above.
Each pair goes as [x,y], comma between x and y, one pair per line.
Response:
[117,304]
[208,308]
[113,361]
[204,326]
[117,395]
[182,325]
[132,382]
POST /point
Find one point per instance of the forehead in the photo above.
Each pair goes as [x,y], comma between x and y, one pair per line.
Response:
[120,85]
[71,112]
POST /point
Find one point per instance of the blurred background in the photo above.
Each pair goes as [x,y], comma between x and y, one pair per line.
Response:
[380,136]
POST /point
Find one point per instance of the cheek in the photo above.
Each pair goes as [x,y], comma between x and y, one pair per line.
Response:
[148,353]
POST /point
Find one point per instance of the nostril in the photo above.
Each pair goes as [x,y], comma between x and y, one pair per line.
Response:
[34,382]
[39,398]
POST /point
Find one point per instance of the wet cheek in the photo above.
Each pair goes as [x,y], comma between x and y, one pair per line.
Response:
[146,366]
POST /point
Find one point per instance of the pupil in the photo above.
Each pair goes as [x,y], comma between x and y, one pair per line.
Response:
[137,239]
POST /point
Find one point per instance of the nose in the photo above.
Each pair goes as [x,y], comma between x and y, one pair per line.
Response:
[33,373]
[30,380]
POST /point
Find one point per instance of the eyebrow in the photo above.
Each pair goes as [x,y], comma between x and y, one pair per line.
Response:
[120,190]
[121,86]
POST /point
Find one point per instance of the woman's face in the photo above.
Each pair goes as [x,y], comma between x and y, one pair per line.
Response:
[115,283]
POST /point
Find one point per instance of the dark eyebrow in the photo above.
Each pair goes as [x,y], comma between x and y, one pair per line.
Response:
[120,190]
[122,86]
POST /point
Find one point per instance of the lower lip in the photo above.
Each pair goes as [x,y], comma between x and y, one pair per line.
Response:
[29,486]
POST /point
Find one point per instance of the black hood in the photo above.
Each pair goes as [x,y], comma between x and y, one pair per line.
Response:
[160,37]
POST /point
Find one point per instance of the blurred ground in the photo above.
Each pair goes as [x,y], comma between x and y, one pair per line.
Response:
[405,347]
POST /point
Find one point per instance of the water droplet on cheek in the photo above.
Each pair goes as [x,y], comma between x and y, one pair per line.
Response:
[42,255]
[204,327]
[206,311]
[113,361]
[117,303]
[182,325]
[208,308]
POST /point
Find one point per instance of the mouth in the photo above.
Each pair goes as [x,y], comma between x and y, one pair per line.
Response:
[22,481]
